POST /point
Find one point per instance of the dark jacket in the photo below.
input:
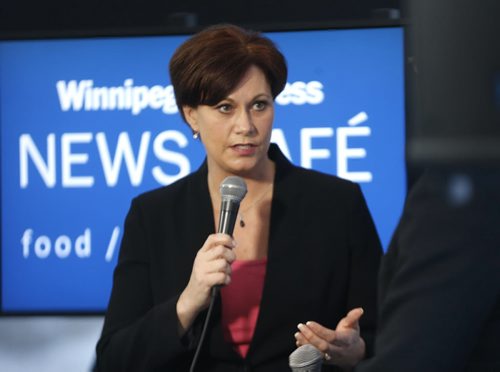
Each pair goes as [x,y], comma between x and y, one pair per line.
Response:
[440,279]
[323,259]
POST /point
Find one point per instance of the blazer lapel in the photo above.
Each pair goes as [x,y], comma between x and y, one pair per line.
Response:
[285,233]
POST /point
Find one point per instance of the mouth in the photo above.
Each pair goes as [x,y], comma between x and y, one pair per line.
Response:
[244,146]
[245,149]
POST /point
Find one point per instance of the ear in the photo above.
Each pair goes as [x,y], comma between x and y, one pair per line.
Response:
[191,115]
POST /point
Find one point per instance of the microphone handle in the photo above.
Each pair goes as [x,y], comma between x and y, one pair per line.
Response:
[227,217]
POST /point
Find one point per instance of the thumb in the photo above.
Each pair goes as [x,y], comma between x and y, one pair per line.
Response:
[351,320]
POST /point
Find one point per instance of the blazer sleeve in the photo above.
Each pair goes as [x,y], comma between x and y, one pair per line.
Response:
[137,334]
[366,252]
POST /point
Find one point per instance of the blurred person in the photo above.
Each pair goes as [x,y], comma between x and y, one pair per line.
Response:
[439,281]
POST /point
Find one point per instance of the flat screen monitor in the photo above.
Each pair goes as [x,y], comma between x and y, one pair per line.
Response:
[88,123]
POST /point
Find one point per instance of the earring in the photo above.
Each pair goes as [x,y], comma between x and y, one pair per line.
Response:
[196,135]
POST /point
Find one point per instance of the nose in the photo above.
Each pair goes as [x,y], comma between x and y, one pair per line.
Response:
[244,123]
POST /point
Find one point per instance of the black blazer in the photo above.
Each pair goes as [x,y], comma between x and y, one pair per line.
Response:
[323,260]
[440,280]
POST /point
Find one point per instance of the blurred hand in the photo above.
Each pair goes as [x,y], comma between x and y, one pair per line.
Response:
[342,347]
[212,266]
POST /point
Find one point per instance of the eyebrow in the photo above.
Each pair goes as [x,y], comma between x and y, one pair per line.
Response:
[257,96]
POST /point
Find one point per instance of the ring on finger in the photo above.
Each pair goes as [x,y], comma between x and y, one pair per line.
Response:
[327,357]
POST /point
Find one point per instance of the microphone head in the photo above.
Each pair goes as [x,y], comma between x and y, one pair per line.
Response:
[306,358]
[233,188]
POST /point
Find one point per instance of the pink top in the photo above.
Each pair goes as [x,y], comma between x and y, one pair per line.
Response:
[241,303]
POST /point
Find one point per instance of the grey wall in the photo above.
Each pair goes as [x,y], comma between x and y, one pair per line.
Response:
[48,344]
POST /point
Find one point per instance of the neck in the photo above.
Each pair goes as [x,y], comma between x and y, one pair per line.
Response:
[256,185]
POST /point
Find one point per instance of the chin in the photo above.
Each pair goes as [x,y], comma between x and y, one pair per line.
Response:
[248,167]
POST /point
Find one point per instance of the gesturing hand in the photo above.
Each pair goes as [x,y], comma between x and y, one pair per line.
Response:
[343,346]
[212,266]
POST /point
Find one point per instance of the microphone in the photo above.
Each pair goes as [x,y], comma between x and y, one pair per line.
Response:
[306,358]
[232,190]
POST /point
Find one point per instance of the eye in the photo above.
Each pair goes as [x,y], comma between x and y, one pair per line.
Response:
[224,108]
[260,105]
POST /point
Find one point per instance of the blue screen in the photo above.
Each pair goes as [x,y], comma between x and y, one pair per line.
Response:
[87,124]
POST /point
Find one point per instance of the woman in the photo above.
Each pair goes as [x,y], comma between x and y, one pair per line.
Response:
[305,250]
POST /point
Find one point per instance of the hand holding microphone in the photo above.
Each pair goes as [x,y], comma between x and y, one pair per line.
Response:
[212,265]
[343,346]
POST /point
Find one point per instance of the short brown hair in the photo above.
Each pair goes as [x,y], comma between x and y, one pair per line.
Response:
[206,68]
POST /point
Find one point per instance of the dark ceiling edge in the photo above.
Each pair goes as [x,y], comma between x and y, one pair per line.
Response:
[180,30]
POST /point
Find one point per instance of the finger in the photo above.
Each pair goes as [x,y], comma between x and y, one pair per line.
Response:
[300,339]
[219,265]
[336,352]
[215,240]
[218,278]
[226,240]
[323,332]
[219,251]
[351,320]
[313,338]
[229,255]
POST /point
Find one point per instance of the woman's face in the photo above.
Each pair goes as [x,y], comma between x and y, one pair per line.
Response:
[236,131]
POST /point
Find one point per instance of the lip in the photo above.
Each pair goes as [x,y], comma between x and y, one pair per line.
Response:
[244,149]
